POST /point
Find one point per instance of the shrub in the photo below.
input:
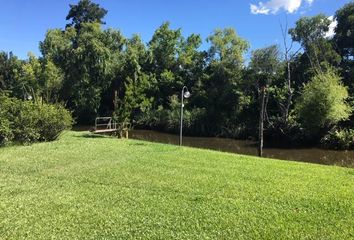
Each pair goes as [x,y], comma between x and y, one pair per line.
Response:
[168,119]
[339,139]
[24,117]
[323,102]
[26,122]
[6,134]
[53,120]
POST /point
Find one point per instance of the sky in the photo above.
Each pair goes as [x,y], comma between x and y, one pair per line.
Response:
[23,23]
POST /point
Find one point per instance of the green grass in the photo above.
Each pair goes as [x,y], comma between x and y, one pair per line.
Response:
[88,187]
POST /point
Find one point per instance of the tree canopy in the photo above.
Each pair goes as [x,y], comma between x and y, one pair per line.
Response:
[323,102]
[95,71]
[85,12]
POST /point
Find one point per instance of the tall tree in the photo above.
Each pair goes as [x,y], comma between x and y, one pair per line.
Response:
[344,31]
[227,48]
[192,63]
[164,48]
[344,40]
[225,96]
[133,83]
[91,70]
[88,59]
[266,63]
[266,60]
[310,32]
[10,69]
[85,12]
[289,57]
[51,82]
[30,76]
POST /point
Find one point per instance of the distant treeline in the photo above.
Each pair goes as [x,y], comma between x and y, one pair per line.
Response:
[96,72]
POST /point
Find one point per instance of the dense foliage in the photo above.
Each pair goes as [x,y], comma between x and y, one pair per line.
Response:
[27,121]
[322,102]
[339,139]
[97,71]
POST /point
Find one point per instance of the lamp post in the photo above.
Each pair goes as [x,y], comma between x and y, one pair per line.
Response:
[184,94]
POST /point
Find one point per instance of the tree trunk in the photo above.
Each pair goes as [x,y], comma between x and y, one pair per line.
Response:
[115,101]
[288,57]
[290,93]
[261,121]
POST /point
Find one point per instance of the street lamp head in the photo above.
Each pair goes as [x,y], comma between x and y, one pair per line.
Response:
[184,94]
[187,94]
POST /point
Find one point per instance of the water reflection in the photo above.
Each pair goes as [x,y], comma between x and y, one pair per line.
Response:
[313,155]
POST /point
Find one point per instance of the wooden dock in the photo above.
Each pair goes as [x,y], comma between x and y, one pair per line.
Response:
[104,125]
[105,131]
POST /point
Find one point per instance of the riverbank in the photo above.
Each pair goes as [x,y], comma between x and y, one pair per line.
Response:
[344,158]
[88,186]
[311,155]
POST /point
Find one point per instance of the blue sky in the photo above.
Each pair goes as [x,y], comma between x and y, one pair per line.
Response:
[23,23]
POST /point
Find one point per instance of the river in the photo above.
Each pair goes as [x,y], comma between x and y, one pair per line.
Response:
[312,155]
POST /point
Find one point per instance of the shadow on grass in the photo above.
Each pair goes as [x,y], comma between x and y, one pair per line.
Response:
[137,144]
[91,135]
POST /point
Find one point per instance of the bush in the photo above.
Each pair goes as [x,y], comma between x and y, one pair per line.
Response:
[27,122]
[53,120]
[339,139]
[323,102]
[6,134]
[24,117]
[169,119]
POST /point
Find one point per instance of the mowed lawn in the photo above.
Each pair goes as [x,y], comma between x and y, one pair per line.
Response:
[91,187]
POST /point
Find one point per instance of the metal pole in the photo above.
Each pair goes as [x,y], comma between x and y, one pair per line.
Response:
[181,121]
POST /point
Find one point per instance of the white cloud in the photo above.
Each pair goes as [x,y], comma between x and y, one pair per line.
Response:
[332,26]
[273,6]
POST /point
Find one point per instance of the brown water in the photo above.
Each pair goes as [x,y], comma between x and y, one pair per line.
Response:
[312,155]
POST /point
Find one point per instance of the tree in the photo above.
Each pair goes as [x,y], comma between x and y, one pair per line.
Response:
[52,81]
[164,48]
[344,31]
[85,12]
[89,60]
[289,57]
[134,83]
[190,60]
[90,70]
[41,79]
[191,64]
[310,29]
[227,47]
[261,120]
[10,69]
[310,32]
[344,40]
[88,57]
[265,62]
[225,98]
[323,102]
[30,78]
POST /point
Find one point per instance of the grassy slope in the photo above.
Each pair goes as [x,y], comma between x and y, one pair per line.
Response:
[95,187]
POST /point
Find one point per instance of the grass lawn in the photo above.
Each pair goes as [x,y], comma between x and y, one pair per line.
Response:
[93,187]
